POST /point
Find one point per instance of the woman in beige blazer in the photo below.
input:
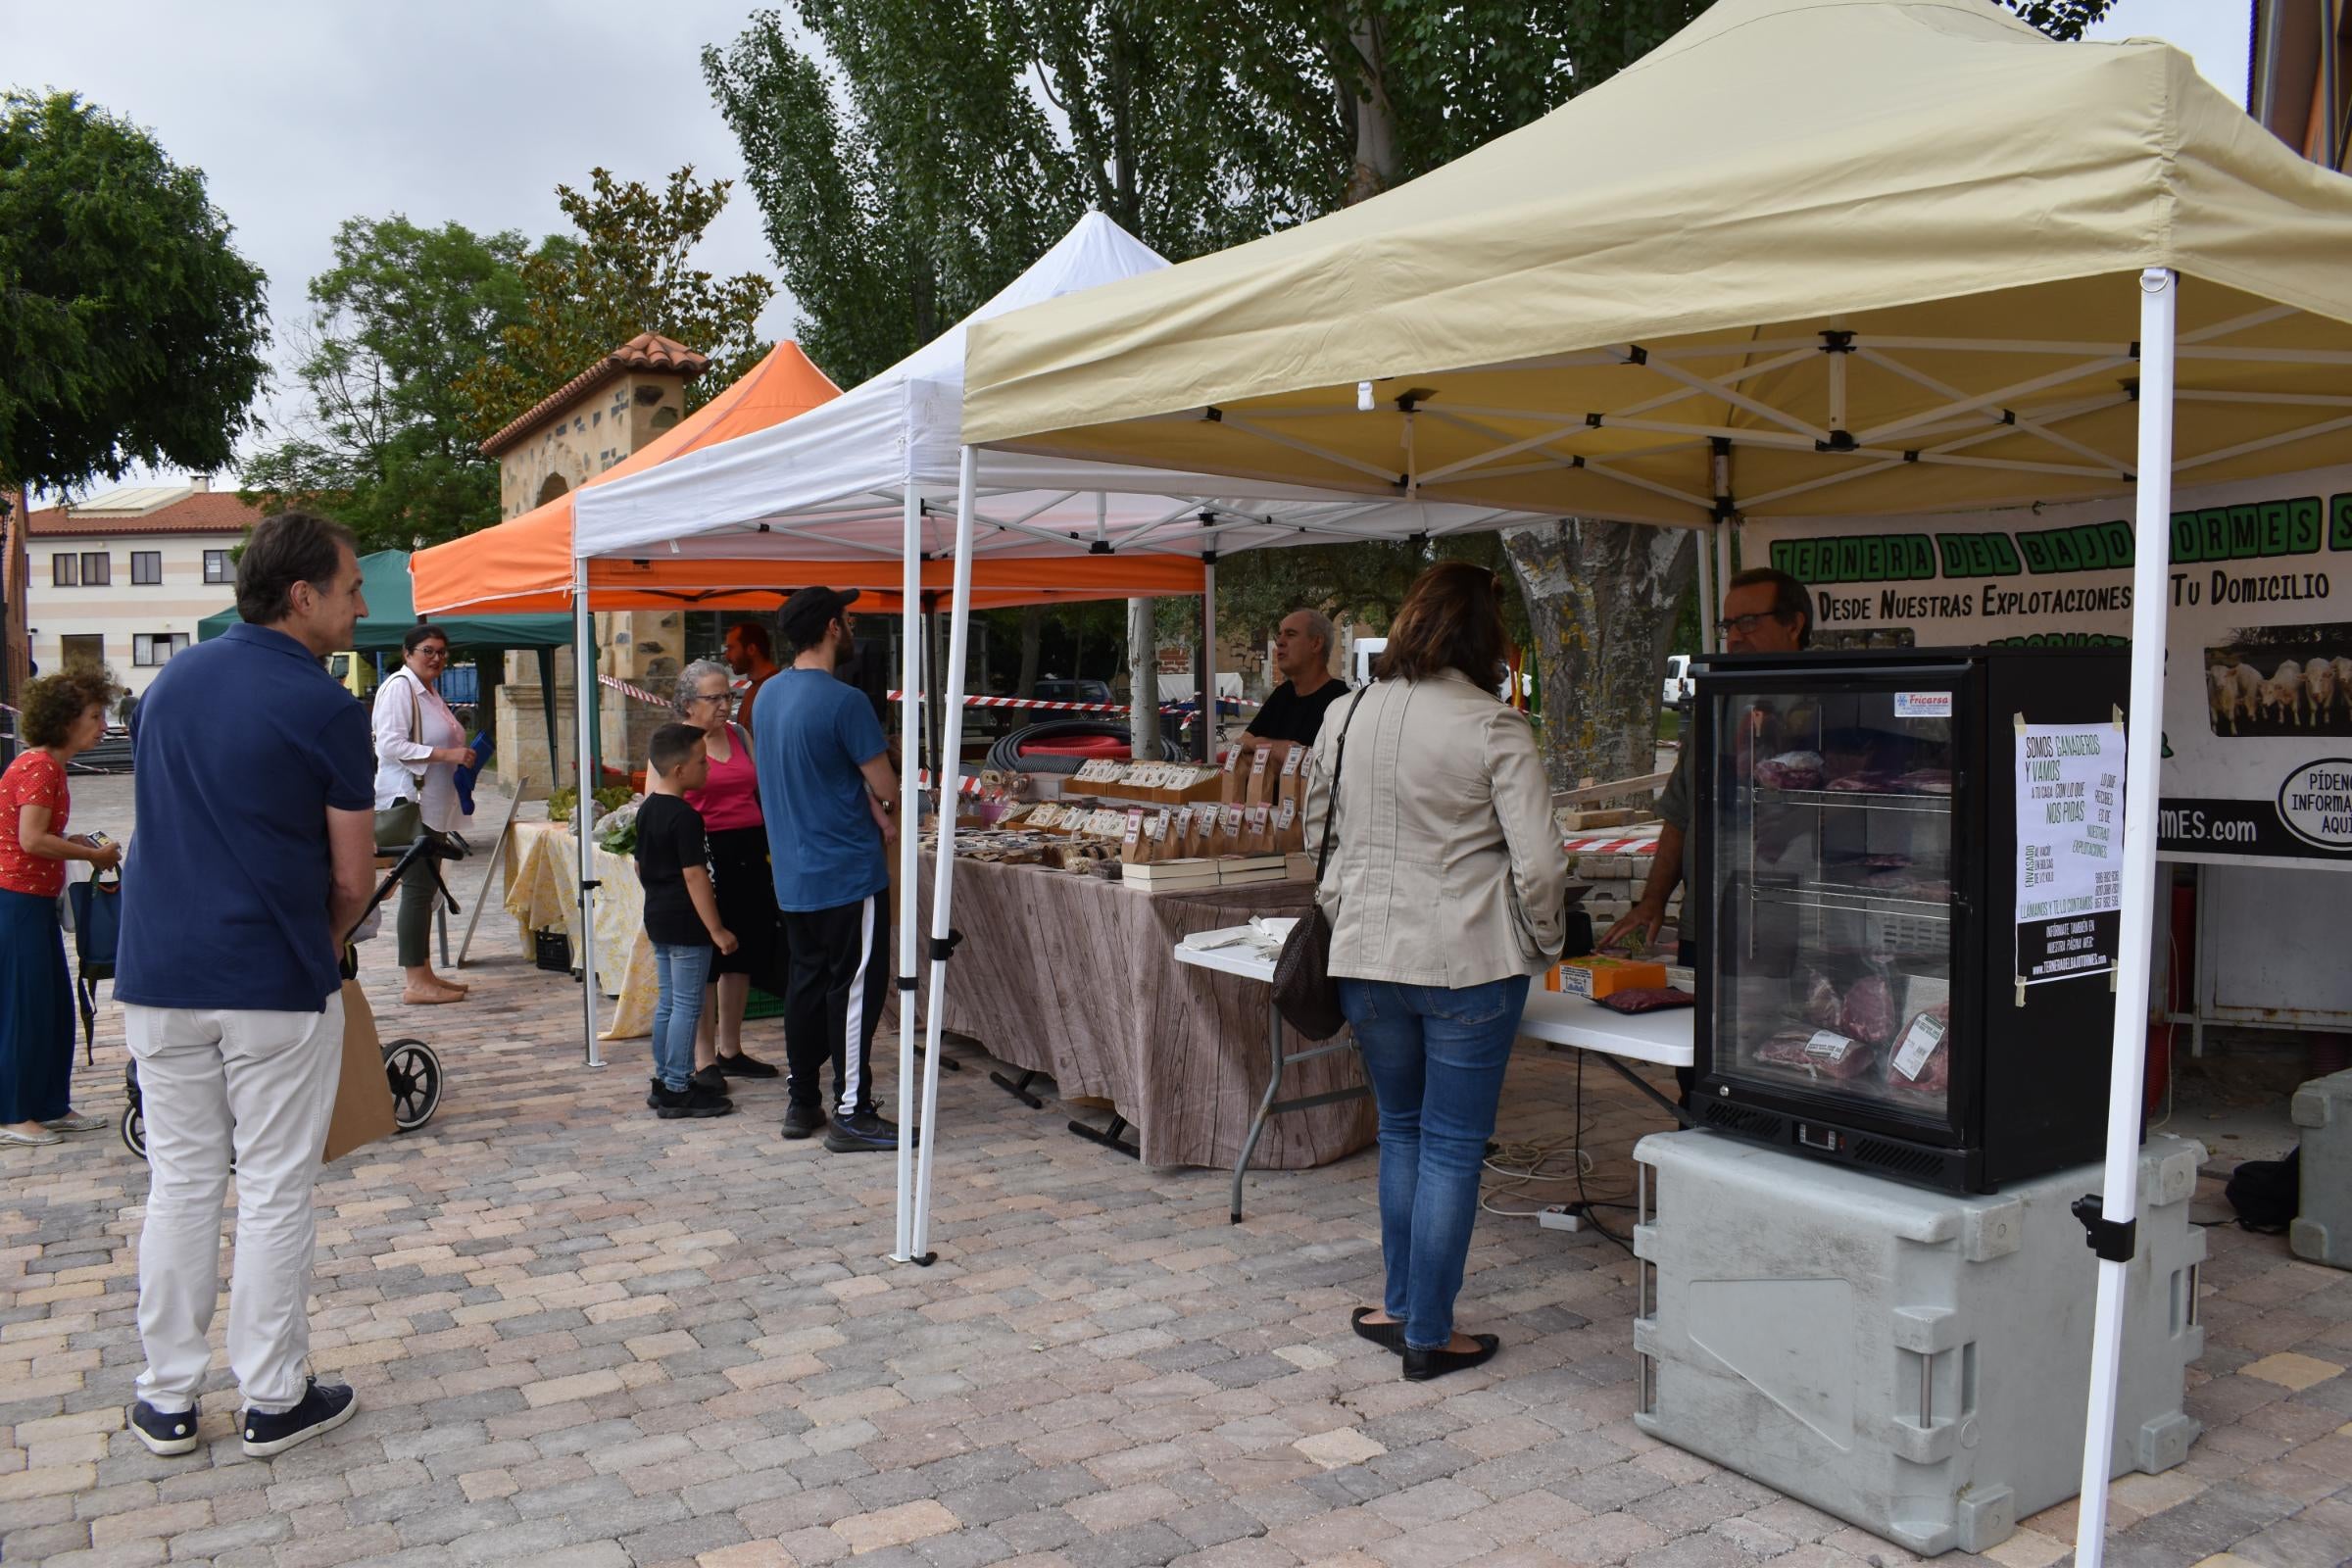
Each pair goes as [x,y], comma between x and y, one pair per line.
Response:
[1445,891]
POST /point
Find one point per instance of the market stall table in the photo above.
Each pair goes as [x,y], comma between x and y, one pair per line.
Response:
[543,893]
[1662,1039]
[1069,976]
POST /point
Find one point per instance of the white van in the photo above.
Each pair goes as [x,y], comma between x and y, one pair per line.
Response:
[1680,687]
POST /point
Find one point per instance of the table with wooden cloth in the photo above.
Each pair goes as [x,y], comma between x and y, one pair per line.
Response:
[543,894]
[1071,977]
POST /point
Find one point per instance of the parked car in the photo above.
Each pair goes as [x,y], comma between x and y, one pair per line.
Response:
[1055,688]
[1680,686]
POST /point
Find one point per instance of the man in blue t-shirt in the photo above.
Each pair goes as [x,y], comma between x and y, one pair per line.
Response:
[827,791]
[254,780]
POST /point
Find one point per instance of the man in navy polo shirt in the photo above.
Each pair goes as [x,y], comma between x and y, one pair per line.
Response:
[252,856]
[827,789]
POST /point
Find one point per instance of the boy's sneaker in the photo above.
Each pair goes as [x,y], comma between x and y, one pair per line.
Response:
[324,1406]
[743,1064]
[861,1132]
[164,1432]
[803,1121]
[692,1101]
[707,1078]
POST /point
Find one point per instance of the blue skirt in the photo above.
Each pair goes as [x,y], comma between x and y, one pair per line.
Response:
[36,1011]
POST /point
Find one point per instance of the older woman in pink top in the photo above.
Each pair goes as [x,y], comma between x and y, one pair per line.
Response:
[729,804]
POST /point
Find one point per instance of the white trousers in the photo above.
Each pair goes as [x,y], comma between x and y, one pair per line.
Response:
[263,1083]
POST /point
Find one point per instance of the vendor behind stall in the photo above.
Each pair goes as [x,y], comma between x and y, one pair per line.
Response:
[1294,710]
[1764,612]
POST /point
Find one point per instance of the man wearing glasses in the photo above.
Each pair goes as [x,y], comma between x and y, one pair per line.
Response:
[1764,612]
[826,790]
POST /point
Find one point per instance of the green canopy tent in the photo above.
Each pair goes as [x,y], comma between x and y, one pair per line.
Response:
[392,614]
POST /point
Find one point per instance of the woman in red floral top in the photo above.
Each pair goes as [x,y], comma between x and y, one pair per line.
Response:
[63,714]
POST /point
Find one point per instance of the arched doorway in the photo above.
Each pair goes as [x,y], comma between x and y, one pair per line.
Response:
[553,487]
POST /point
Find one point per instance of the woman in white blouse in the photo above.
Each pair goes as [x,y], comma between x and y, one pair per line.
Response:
[419,746]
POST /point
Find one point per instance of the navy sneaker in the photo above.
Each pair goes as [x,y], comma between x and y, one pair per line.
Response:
[863,1132]
[164,1432]
[743,1064]
[802,1121]
[324,1406]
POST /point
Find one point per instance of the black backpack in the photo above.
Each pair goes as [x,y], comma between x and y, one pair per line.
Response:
[2267,1194]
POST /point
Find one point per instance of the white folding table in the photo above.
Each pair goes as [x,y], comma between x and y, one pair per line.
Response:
[1663,1039]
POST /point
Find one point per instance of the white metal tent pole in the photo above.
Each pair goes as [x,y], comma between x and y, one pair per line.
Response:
[2115,1233]
[583,810]
[943,884]
[1208,657]
[911,729]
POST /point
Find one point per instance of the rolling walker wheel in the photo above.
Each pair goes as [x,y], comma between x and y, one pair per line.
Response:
[414,1069]
[135,1129]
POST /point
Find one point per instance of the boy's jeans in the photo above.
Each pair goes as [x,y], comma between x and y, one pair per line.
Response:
[684,970]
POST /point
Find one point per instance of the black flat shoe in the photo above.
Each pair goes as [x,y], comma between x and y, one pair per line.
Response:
[743,1064]
[1388,1336]
[1422,1365]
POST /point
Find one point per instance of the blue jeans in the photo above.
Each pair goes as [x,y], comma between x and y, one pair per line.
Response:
[684,970]
[1436,1059]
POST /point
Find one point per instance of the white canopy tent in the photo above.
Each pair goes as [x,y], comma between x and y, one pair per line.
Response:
[881,473]
[1809,257]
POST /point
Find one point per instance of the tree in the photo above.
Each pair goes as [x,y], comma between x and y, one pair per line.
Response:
[385,440]
[2064,19]
[630,270]
[130,329]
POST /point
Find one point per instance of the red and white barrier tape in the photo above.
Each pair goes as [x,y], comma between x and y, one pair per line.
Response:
[1611,844]
[626,689]
[966,786]
[639,693]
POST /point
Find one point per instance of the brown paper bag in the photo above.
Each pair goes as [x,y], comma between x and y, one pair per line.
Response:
[1230,777]
[1290,828]
[1262,777]
[1257,830]
[1290,788]
[364,1098]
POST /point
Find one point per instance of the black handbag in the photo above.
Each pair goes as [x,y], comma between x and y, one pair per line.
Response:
[1304,993]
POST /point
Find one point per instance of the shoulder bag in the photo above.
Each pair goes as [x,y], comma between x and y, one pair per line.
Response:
[1304,993]
[402,824]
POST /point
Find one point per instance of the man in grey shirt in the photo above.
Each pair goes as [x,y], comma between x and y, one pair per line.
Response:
[1764,612]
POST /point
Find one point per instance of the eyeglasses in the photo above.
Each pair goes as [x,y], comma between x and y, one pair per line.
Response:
[1745,625]
[438,650]
[708,697]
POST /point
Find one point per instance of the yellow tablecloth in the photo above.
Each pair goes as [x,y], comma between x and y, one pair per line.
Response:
[543,893]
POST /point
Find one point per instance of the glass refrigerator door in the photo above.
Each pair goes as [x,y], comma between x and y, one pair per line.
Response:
[1834,922]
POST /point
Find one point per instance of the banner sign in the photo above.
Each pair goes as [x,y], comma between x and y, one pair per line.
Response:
[2070,849]
[2258,679]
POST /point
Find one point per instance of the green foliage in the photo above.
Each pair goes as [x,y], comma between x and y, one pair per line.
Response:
[383,441]
[630,270]
[130,329]
[2064,19]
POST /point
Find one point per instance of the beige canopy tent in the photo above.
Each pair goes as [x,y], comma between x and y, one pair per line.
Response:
[1810,257]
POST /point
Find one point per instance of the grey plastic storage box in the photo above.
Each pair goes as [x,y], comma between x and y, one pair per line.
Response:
[1915,1362]
[2323,1230]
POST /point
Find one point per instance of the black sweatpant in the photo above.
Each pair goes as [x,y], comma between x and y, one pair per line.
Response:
[840,974]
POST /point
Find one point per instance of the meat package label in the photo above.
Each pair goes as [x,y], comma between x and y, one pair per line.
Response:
[2070,849]
[1919,1044]
[1828,1046]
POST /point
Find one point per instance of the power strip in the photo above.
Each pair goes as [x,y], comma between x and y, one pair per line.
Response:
[1561,1218]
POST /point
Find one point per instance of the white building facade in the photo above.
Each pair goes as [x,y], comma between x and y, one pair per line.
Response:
[122,579]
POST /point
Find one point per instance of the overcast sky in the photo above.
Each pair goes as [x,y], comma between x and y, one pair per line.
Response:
[302,113]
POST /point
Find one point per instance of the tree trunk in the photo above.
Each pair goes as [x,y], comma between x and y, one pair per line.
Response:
[1374,168]
[1033,635]
[1601,599]
[1142,679]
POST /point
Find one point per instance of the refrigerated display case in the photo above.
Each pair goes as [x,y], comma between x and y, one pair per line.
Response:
[1855,833]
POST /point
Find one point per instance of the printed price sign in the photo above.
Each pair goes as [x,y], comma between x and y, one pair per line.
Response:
[2070,849]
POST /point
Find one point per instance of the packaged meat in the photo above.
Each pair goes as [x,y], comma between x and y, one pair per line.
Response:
[1862,783]
[1868,1012]
[1926,781]
[1646,999]
[1790,770]
[1921,1063]
[1818,1052]
[1822,1004]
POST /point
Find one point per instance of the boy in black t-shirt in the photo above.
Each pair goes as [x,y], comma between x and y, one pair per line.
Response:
[681,919]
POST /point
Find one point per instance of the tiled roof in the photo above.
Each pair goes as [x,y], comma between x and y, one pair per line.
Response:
[647,351]
[222,512]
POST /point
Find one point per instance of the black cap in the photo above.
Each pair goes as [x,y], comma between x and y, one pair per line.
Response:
[809,611]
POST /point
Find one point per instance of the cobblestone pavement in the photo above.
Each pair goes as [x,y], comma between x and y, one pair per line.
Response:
[585,1337]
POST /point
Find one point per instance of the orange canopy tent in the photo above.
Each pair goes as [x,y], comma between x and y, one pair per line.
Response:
[526,564]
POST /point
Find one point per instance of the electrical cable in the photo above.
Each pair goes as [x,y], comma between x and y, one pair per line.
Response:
[1591,1213]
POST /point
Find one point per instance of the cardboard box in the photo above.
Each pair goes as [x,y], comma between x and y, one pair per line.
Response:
[1596,978]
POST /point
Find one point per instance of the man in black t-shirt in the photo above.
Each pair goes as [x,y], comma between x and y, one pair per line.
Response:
[1293,710]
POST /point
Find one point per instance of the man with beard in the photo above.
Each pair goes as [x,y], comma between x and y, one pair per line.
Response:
[827,791]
